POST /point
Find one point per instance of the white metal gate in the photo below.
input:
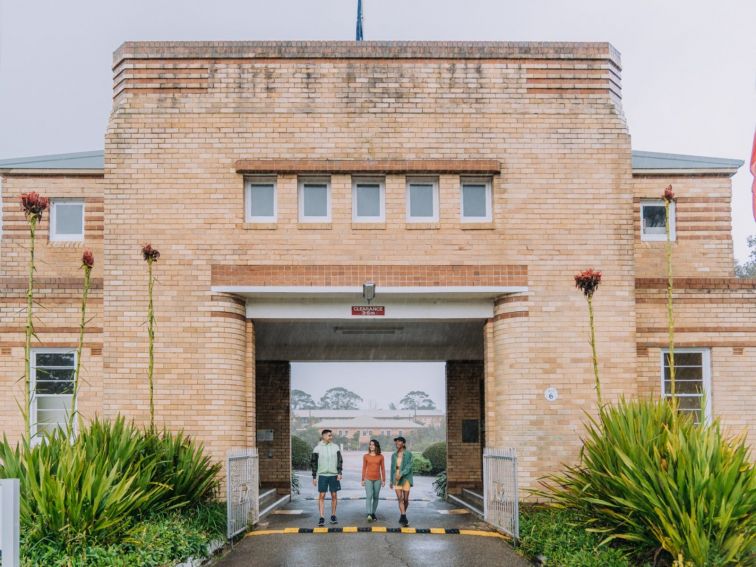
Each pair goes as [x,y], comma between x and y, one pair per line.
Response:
[9,522]
[500,503]
[242,490]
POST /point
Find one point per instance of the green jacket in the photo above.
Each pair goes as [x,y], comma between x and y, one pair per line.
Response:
[405,471]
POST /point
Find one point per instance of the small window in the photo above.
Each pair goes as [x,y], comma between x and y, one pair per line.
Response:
[422,200]
[368,200]
[52,383]
[315,200]
[67,220]
[654,220]
[476,200]
[692,381]
[261,199]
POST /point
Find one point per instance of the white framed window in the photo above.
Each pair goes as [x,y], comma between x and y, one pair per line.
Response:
[368,199]
[475,199]
[422,199]
[654,220]
[692,380]
[315,199]
[261,199]
[52,384]
[67,220]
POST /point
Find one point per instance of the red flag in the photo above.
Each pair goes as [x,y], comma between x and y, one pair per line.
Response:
[753,172]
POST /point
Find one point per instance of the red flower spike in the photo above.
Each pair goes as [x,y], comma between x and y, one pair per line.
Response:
[588,281]
[87,259]
[150,253]
[668,195]
[34,204]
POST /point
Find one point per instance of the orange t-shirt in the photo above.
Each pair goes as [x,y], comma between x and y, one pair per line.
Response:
[373,467]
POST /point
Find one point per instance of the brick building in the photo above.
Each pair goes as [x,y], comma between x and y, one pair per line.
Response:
[468,181]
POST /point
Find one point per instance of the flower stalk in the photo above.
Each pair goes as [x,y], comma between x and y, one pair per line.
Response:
[151,256]
[669,197]
[87,263]
[588,281]
[33,205]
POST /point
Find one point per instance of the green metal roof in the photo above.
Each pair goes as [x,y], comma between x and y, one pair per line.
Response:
[79,160]
[651,161]
[642,161]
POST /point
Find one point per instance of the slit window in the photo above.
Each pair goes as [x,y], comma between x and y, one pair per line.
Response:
[52,385]
[692,381]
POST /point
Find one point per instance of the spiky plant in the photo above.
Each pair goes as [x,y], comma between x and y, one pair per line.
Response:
[669,197]
[151,256]
[588,281]
[87,263]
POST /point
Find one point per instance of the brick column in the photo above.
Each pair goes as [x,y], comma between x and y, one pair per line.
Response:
[464,414]
[272,405]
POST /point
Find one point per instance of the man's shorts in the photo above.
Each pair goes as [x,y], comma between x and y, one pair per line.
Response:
[328,484]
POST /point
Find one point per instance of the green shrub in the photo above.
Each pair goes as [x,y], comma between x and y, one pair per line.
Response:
[420,465]
[94,489]
[653,477]
[436,454]
[557,536]
[300,453]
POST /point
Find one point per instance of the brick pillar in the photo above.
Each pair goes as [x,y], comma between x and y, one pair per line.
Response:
[272,395]
[250,384]
[464,425]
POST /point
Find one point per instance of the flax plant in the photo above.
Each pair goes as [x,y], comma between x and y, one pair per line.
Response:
[151,256]
[669,197]
[33,205]
[588,281]
[87,263]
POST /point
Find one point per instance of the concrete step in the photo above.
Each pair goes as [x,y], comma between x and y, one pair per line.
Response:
[270,500]
[267,497]
[459,501]
[472,496]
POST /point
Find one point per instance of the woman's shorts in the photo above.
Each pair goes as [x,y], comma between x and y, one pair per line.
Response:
[404,485]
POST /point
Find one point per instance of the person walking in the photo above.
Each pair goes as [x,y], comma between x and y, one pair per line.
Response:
[373,477]
[326,464]
[401,477]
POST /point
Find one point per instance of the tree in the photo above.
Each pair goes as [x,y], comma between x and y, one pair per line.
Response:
[392,406]
[748,268]
[339,398]
[302,400]
[417,400]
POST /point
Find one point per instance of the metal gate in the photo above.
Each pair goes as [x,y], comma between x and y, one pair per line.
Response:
[500,503]
[242,490]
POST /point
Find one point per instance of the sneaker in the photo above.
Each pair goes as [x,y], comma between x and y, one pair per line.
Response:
[370,518]
[321,522]
[334,520]
[403,521]
[375,518]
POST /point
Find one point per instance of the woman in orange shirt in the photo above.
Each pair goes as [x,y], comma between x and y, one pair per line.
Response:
[373,477]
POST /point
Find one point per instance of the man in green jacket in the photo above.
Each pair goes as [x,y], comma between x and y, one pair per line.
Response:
[326,464]
[401,477]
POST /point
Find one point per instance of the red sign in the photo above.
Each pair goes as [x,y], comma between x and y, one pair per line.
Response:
[369,310]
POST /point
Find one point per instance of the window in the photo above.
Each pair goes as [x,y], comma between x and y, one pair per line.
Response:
[67,220]
[52,375]
[261,199]
[368,200]
[476,199]
[692,380]
[653,220]
[422,200]
[315,200]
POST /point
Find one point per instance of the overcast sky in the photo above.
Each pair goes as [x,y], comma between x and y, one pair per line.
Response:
[377,383]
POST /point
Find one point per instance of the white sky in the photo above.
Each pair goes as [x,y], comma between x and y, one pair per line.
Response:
[377,383]
[689,66]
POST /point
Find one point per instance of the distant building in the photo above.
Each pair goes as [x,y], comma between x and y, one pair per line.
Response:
[303,419]
[368,427]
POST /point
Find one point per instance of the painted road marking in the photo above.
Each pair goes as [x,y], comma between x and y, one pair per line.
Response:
[454,511]
[380,530]
[288,512]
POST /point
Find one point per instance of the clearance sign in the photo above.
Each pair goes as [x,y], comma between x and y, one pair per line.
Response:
[368,310]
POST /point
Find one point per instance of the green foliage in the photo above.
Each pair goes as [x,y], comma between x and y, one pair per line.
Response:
[655,478]
[748,268]
[159,539]
[296,486]
[340,398]
[439,484]
[436,454]
[559,537]
[301,400]
[417,400]
[94,489]
[420,465]
[300,453]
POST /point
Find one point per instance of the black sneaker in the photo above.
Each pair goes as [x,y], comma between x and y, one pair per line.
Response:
[375,518]
[403,521]
[321,522]
[334,520]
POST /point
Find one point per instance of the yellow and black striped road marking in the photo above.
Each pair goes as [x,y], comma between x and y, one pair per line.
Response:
[380,530]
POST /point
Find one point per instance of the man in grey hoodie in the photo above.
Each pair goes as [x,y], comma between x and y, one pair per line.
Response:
[326,464]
